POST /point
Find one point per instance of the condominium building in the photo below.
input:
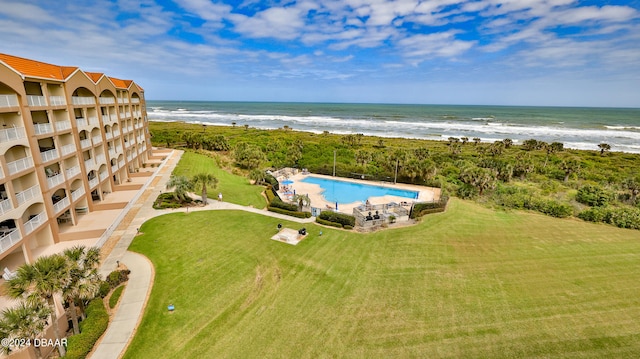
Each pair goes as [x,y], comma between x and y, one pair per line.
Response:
[68,139]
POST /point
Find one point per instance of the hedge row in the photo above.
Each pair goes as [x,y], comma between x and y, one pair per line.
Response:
[270,195]
[78,346]
[423,208]
[277,202]
[289,213]
[620,217]
[327,223]
[335,217]
[272,181]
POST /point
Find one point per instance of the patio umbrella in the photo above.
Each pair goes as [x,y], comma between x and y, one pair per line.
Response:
[336,205]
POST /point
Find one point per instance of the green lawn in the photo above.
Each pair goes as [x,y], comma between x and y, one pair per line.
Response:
[470,283]
[234,189]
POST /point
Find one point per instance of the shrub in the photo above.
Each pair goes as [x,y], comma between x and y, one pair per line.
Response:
[277,203]
[593,195]
[289,213]
[341,218]
[104,289]
[78,346]
[270,195]
[594,214]
[327,223]
[272,181]
[118,276]
[115,296]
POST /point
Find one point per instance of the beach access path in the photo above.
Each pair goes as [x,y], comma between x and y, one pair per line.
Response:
[129,311]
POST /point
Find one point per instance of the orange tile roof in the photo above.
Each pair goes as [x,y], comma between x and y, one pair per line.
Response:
[39,69]
[118,83]
[94,76]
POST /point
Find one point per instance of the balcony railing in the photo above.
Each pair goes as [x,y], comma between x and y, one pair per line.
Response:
[55,180]
[12,134]
[70,172]
[8,101]
[127,114]
[35,222]
[5,206]
[96,139]
[135,100]
[112,152]
[129,157]
[20,165]
[93,182]
[81,122]
[85,143]
[105,118]
[61,204]
[57,101]
[113,117]
[121,163]
[43,128]
[89,163]
[34,101]
[63,125]
[118,148]
[116,133]
[77,193]
[100,158]
[114,168]
[107,100]
[93,120]
[67,149]
[49,155]
[103,175]
[77,100]
[27,194]
[9,239]
[108,135]
[1,173]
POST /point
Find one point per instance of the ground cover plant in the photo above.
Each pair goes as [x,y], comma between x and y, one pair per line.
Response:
[470,282]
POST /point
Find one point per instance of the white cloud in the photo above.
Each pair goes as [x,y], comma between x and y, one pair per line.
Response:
[277,22]
[421,47]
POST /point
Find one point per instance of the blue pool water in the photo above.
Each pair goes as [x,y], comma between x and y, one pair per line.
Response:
[348,192]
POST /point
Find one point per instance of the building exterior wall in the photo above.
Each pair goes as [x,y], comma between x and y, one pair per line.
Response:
[63,143]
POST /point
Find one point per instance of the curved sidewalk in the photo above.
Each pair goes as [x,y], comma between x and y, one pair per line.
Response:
[133,301]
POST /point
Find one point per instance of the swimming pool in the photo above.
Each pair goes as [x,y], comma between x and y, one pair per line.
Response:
[347,192]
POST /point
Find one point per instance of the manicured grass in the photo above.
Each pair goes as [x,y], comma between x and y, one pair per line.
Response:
[234,189]
[470,283]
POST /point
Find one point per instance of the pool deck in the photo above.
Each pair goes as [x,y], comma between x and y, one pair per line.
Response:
[314,191]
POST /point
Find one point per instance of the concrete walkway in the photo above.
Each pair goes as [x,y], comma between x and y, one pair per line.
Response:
[134,299]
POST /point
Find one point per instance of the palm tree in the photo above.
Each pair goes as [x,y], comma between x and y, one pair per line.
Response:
[41,282]
[302,200]
[84,279]
[204,179]
[569,166]
[181,185]
[22,322]
[633,186]
[257,176]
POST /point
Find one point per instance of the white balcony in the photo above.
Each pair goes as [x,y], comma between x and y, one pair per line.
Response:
[57,101]
[12,134]
[81,101]
[130,128]
[20,165]
[121,115]
[70,172]
[112,153]
[85,143]
[81,122]
[138,113]
[108,135]
[77,193]
[49,155]
[35,101]
[63,125]
[114,168]
[61,205]
[118,148]
[8,101]
[105,118]
[100,159]
[55,180]
[103,175]
[116,133]
[93,182]
[88,164]
[129,157]
[67,149]
[35,222]
[107,100]
[27,194]
[135,100]
[9,240]
[94,121]
[127,114]
[121,163]
[113,117]
[5,206]
[1,173]
[42,128]
[96,139]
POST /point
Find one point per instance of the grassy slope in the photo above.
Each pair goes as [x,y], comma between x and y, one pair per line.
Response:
[235,189]
[470,282]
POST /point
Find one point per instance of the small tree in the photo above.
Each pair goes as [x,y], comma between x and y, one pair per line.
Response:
[204,179]
[24,321]
[84,280]
[257,176]
[302,200]
[604,147]
[181,185]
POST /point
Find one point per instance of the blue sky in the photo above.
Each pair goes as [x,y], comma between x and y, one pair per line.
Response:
[516,52]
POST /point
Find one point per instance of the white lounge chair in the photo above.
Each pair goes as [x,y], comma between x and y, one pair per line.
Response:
[8,275]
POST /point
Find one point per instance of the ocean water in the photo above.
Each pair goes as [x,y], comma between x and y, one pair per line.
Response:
[580,128]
